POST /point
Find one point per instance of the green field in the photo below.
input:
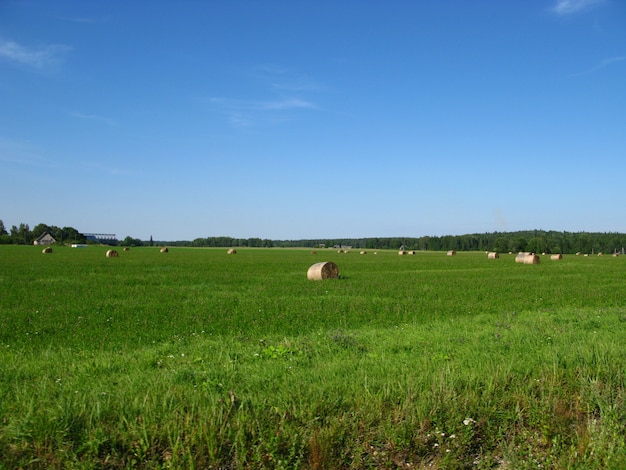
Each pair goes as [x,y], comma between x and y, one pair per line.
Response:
[199,359]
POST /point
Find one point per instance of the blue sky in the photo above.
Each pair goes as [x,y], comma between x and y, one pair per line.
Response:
[313,119]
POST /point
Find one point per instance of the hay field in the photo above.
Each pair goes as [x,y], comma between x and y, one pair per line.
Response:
[200,359]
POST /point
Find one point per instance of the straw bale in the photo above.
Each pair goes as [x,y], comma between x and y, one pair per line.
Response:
[402,253]
[412,252]
[231,251]
[47,249]
[126,248]
[527,258]
[164,250]
[451,253]
[323,270]
[112,254]
[556,257]
[492,255]
[363,253]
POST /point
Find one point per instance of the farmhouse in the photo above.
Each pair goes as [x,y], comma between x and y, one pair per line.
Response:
[45,239]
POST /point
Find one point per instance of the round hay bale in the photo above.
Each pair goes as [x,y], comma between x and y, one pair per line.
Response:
[339,251]
[164,250]
[112,254]
[126,248]
[451,253]
[556,257]
[531,259]
[402,253]
[578,253]
[412,252]
[363,253]
[521,257]
[323,270]
[600,254]
[492,255]
[47,249]
[231,251]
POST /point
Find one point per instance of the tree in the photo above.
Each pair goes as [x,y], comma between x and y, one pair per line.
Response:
[3,230]
[39,230]
[129,241]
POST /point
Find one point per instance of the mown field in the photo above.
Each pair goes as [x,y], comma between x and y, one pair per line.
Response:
[198,359]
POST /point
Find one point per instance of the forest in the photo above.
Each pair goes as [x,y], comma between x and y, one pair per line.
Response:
[538,241]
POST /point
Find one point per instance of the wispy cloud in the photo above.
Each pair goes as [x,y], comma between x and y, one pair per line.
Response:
[23,153]
[246,113]
[568,7]
[106,169]
[602,64]
[94,117]
[37,57]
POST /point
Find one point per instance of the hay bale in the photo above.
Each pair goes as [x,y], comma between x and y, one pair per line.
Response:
[363,253]
[412,252]
[231,251]
[47,249]
[401,252]
[451,253]
[600,254]
[164,250]
[578,253]
[112,254]
[532,259]
[527,258]
[339,251]
[126,248]
[556,257]
[492,255]
[323,270]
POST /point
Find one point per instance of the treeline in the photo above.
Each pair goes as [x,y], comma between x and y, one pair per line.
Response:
[538,241]
[23,235]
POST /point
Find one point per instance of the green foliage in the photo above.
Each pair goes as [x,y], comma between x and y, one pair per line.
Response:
[202,360]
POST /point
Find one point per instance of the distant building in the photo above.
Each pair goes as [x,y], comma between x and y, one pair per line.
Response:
[45,239]
[102,238]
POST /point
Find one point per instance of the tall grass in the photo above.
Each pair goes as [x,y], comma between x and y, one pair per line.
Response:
[196,359]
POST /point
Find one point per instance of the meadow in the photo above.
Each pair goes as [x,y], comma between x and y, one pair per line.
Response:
[199,359]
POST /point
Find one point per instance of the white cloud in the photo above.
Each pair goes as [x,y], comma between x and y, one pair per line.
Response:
[94,117]
[568,7]
[602,64]
[247,113]
[39,57]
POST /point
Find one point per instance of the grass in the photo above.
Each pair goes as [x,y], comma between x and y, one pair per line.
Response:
[196,359]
